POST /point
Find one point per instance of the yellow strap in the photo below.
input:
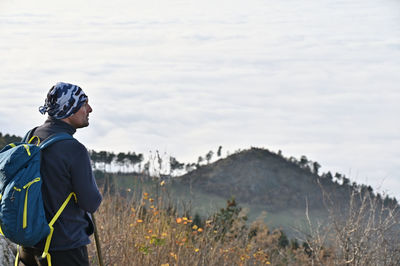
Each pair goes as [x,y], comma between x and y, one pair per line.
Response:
[34,137]
[48,240]
[27,149]
[37,179]
[48,259]
[25,215]
[25,146]
[1,196]
[62,208]
[1,231]
[17,257]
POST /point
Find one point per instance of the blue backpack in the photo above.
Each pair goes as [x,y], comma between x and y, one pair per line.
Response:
[22,216]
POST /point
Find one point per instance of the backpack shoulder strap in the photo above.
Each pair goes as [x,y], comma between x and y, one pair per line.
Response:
[28,135]
[54,138]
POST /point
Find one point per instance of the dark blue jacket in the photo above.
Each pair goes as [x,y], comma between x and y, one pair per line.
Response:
[66,168]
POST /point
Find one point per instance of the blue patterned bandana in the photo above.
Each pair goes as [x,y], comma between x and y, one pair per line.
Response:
[63,100]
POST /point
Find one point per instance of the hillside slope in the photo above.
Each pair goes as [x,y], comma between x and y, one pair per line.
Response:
[258,176]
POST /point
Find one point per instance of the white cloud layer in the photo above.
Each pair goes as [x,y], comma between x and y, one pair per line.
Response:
[318,78]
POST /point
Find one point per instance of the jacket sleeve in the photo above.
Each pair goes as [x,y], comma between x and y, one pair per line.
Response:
[83,181]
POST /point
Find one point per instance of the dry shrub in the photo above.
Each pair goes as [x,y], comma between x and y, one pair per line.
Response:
[146,232]
[141,233]
[366,232]
[362,231]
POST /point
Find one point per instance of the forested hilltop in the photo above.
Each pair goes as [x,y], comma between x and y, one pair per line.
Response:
[258,176]
[254,176]
[7,138]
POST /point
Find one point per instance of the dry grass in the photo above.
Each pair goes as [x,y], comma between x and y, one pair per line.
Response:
[141,233]
[146,232]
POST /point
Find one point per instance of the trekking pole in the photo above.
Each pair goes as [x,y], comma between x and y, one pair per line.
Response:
[97,240]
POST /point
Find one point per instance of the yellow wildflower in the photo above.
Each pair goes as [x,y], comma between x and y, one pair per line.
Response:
[195,227]
[196,250]
[178,220]
[139,221]
[174,256]
[200,230]
[162,183]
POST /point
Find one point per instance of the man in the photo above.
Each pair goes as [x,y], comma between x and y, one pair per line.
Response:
[65,168]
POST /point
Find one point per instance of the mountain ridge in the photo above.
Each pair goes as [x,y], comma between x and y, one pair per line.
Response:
[253,176]
[258,176]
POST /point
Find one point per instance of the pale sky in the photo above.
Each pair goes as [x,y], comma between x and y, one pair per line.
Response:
[315,78]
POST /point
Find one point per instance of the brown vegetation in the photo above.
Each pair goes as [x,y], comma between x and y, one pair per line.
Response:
[141,233]
[147,232]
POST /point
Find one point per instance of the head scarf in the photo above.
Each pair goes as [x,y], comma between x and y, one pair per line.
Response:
[63,100]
